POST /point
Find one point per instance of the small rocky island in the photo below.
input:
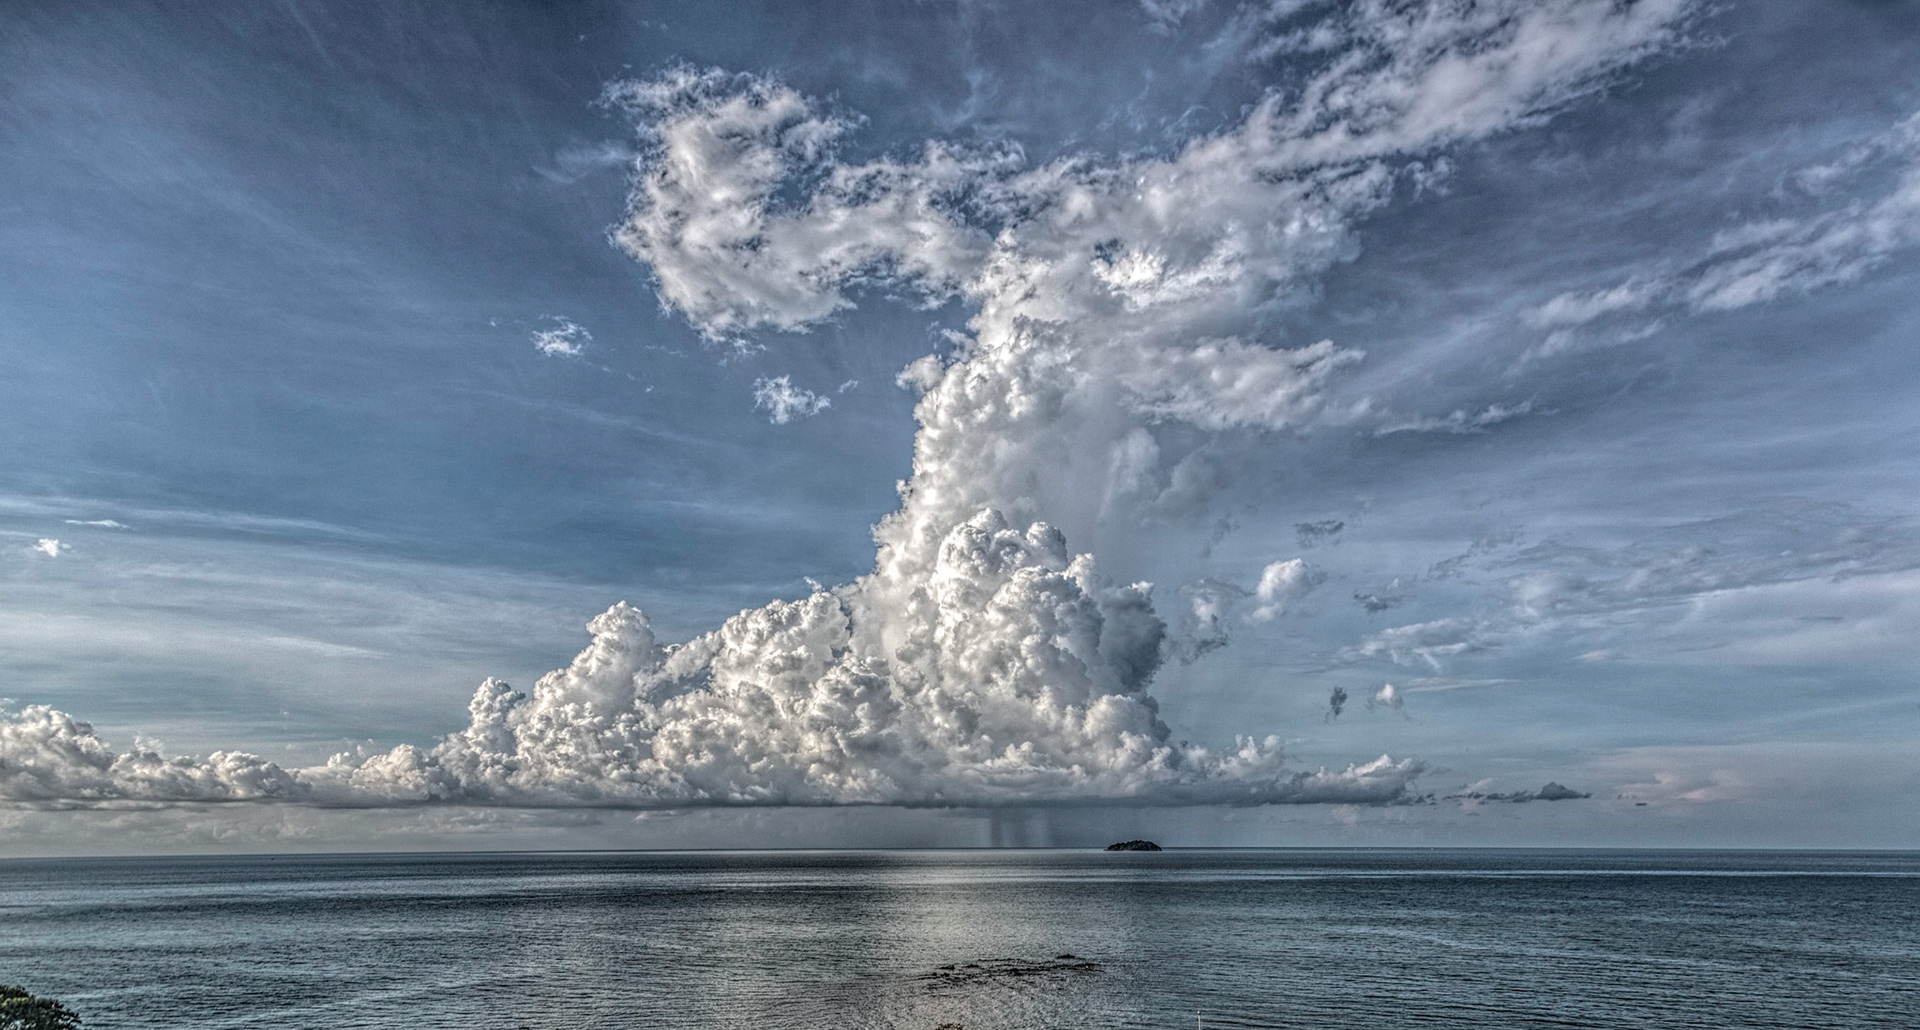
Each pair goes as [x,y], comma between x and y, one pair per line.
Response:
[1134,845]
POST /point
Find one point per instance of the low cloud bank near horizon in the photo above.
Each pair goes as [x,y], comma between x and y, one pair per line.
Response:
[982,662]
[1027,685]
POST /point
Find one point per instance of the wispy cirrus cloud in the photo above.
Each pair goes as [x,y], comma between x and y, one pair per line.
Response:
[783,402]
[563,339]
[1798,251]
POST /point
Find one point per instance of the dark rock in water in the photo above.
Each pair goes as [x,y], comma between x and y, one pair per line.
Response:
[1007,970]
[1134,845]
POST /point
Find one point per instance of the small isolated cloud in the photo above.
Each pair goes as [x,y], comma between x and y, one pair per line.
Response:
[49,546]
[1377,603]
[1210,603]
[1282,584]
[564,339]
[1388,697]
[783,402]
[1336,703]
[102,523]
[1311,533]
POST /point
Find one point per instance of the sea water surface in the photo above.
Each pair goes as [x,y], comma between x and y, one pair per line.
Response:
[1287,938]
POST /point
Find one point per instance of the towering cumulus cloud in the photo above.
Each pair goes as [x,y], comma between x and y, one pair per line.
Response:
[982,661]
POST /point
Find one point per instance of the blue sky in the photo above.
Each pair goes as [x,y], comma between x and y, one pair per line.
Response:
[1608,471]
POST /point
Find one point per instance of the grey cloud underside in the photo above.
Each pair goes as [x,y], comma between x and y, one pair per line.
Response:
[981,662]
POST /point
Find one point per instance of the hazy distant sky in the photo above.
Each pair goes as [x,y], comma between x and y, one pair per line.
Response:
[349,356]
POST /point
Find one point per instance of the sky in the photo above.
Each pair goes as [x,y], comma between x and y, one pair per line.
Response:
[959,423]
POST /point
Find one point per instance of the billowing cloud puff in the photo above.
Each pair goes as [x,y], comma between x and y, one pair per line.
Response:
[981,662]
[49,546]
[1281,585]
[1023,678]
[48,756]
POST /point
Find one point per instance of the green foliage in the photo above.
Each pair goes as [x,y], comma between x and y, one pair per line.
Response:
[22,1011]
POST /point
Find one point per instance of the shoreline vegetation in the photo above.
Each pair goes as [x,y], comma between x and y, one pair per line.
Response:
[20,1010]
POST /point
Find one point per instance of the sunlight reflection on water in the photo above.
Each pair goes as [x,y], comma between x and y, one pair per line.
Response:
[1323,939]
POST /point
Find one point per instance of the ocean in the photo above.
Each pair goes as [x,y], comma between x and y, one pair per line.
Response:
[1324,939]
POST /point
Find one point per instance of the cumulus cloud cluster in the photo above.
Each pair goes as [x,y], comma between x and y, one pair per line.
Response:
[48,756]
[1024,679]
[982,661]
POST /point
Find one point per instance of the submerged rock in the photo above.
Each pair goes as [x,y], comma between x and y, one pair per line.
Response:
[1000,970]
[1134,845]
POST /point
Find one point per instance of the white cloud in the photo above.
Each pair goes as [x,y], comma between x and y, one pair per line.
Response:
[1388,697]
[49,546]
[1110,295]
[1025,682]
[921,374]
[563,339]
[1282,584]
[783,402]
[1409,77]
[704,219]
[47,756]
[981,662]
[102,523]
